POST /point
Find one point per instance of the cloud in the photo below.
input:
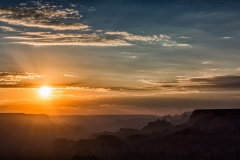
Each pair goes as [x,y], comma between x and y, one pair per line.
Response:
[148,82]
[46,15]
[162,39]
[229,81]
[196,83]
[8,29]
[172,44]
[48,39]
[73,5]
[183,37]
[132,37]
[219,69]
[206,62]
[91,9]
[69,75]
[227,37]
[14,78]
[42,16]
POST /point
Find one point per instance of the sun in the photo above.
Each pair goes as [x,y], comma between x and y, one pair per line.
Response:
[45,91]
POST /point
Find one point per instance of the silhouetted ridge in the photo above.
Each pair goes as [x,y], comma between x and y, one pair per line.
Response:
[198,114]
[218,122]
[136,123]
[182,120]
[209,134]
[122,133]
[158,126]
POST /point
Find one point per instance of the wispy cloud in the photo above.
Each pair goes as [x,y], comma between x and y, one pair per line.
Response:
[131,37]
[8,29]
[73,5]
[92,9]
[172,44]
[199,83]
[227,37]
[15,78]
[161,39]
[206,62]
[69,75]
[49,39]
[92,39]
[183,37]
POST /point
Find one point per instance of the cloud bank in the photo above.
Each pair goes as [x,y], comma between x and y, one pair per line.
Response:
[226,82]
[42,16]
[8,29]
[64,28]
[14,79]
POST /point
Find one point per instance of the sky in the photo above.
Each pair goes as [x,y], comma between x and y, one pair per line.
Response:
[125,57]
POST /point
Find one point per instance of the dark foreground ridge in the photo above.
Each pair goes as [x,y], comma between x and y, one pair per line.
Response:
[208,134]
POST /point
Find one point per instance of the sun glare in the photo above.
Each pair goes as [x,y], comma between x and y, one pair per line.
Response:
[45,91]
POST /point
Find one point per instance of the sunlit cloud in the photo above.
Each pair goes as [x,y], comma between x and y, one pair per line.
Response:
[183,37]
[206,62]
[23,38]
[169,44]
[131,37]
[73,43]
[42,15]
[161,39]
[219,69]
[152,82]
[48,39]
[126,39]
[202,83]
[8,29]
[15,78]
[227,37]
[69,75]
[48,16]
